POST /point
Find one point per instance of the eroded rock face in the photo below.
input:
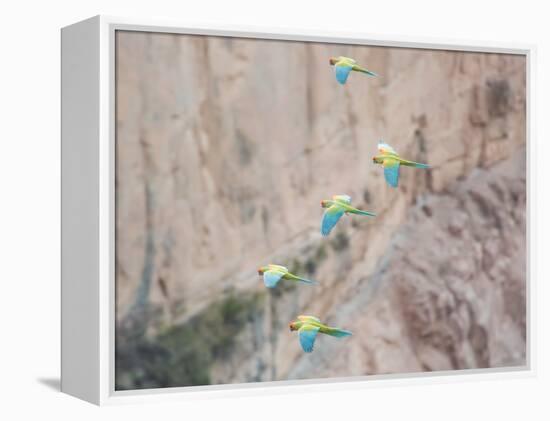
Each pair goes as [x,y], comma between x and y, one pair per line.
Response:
[449,292]
[225,148]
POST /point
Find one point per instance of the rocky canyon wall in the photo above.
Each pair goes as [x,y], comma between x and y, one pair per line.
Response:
[225,147]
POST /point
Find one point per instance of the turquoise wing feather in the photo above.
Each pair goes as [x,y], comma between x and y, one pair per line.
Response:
[342,73]
[272,278]
[330,218]
[308,333]
[391,171]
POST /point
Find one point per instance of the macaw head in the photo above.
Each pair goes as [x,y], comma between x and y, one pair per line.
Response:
[325,203]
[333,61]
[378,160]
[262,269]
[295,325]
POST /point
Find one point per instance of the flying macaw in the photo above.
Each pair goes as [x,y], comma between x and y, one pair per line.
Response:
[391,161]
[338,206]
[309,326]
[274,273]
[344,65]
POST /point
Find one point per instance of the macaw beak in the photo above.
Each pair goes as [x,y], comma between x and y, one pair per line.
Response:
[260,271]
[291,326]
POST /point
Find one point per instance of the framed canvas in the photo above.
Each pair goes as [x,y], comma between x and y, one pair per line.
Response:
[245,210]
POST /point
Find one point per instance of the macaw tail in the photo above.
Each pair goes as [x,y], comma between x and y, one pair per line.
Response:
[339,333]
[363,70]
[306,281]
[362,212]
[413,164]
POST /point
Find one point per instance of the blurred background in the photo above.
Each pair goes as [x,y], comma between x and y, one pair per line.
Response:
[226,146]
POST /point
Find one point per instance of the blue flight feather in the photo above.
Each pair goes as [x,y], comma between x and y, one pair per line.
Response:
[308,333]
[330,218]
[342,73]
[391,173]
[271,278]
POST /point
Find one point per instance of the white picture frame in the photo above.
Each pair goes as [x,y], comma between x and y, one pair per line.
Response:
[88,203]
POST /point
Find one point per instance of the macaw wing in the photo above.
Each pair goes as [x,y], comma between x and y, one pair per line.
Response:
[391,171]
[271,278]
[342,72]
[278,267]
[384,148]
[330,218]
[342,198]
[307,334]
[304,318]
[347,60]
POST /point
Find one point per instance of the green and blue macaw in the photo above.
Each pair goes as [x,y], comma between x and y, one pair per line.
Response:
[392,161]
[272,274]
[335,208]
[344,65]
[309,326]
